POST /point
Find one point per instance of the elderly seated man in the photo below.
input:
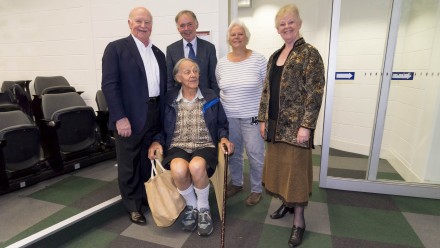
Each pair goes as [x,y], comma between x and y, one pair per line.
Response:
[193,125]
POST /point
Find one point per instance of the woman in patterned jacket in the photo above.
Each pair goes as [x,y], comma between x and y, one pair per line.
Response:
[289,109]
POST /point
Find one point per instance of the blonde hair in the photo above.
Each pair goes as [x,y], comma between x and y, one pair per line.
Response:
[289,9]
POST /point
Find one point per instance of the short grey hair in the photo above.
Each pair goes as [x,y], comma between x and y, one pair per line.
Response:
[186,12]
[239,23]
[176,67]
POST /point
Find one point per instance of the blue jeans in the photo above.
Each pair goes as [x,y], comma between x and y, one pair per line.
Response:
[245,135]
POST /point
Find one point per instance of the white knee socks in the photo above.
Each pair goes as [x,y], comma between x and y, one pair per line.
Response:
[189,196]
[202,197]
[199,202]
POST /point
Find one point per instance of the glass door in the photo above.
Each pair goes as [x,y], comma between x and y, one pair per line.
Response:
[382,101]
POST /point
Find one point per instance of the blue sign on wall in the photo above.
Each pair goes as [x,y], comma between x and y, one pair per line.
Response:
[402,76]
[344,75]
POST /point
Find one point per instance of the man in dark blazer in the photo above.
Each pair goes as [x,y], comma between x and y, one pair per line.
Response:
[204,51]
[134,84]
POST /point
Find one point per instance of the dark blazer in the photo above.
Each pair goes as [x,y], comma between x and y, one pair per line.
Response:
[215,117]
[124,82]
[206,59]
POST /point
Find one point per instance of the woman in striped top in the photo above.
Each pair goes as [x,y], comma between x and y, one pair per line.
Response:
[240,75]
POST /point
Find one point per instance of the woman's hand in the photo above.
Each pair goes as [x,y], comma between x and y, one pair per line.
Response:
[228,144]
[303,135]
[262,128]
[154,150]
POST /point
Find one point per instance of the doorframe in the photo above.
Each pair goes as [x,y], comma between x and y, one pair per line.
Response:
[371,185]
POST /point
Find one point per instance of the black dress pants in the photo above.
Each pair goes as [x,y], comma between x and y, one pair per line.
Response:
[133,164]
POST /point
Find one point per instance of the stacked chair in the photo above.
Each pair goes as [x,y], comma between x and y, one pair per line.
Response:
[19,95]
[7,98]
[56,134]
[48,85]
[68,128]
[70,133]
[20,147]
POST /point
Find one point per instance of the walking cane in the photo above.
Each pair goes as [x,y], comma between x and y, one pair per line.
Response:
[222,245]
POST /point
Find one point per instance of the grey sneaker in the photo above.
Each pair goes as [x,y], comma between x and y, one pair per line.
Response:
[205,226]
[189,220]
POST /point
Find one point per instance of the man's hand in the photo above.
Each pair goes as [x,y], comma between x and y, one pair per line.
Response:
[123,127]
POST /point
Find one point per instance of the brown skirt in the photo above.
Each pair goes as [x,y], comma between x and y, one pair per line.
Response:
[288,173]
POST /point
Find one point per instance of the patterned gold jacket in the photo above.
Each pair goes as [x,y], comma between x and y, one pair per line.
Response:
[301,89]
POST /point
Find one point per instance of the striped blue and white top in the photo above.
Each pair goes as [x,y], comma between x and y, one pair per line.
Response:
[241,84]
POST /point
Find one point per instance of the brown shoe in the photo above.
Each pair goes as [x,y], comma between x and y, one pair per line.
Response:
[253,199]
[231,190]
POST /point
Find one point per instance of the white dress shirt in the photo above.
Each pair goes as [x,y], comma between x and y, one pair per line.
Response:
[151,67]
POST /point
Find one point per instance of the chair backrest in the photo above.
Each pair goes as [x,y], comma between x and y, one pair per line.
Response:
[54,102]
[58,90]
[100,101]
[6,85]
[77,121]
[41,83]
[77,128]
[6,107]
[13,118]
[22,98]
[7,97]
[22,147]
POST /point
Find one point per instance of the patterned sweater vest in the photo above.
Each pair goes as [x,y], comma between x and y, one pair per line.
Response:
[191,132]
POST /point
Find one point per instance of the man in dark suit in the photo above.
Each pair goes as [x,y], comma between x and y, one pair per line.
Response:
[204,52]
[134,84]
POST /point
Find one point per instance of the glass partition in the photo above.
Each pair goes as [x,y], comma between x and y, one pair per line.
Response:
[382,113]
[360,53]
[412,121]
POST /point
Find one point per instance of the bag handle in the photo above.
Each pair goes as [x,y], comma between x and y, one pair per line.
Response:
[159,164]
[154,170]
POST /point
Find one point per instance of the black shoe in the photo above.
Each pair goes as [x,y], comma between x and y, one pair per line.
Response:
[138,218]
[296,236]
[281,212]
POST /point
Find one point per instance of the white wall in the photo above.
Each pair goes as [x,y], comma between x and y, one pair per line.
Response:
[432,172]
[260,19]
[64,37]
[414,105]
